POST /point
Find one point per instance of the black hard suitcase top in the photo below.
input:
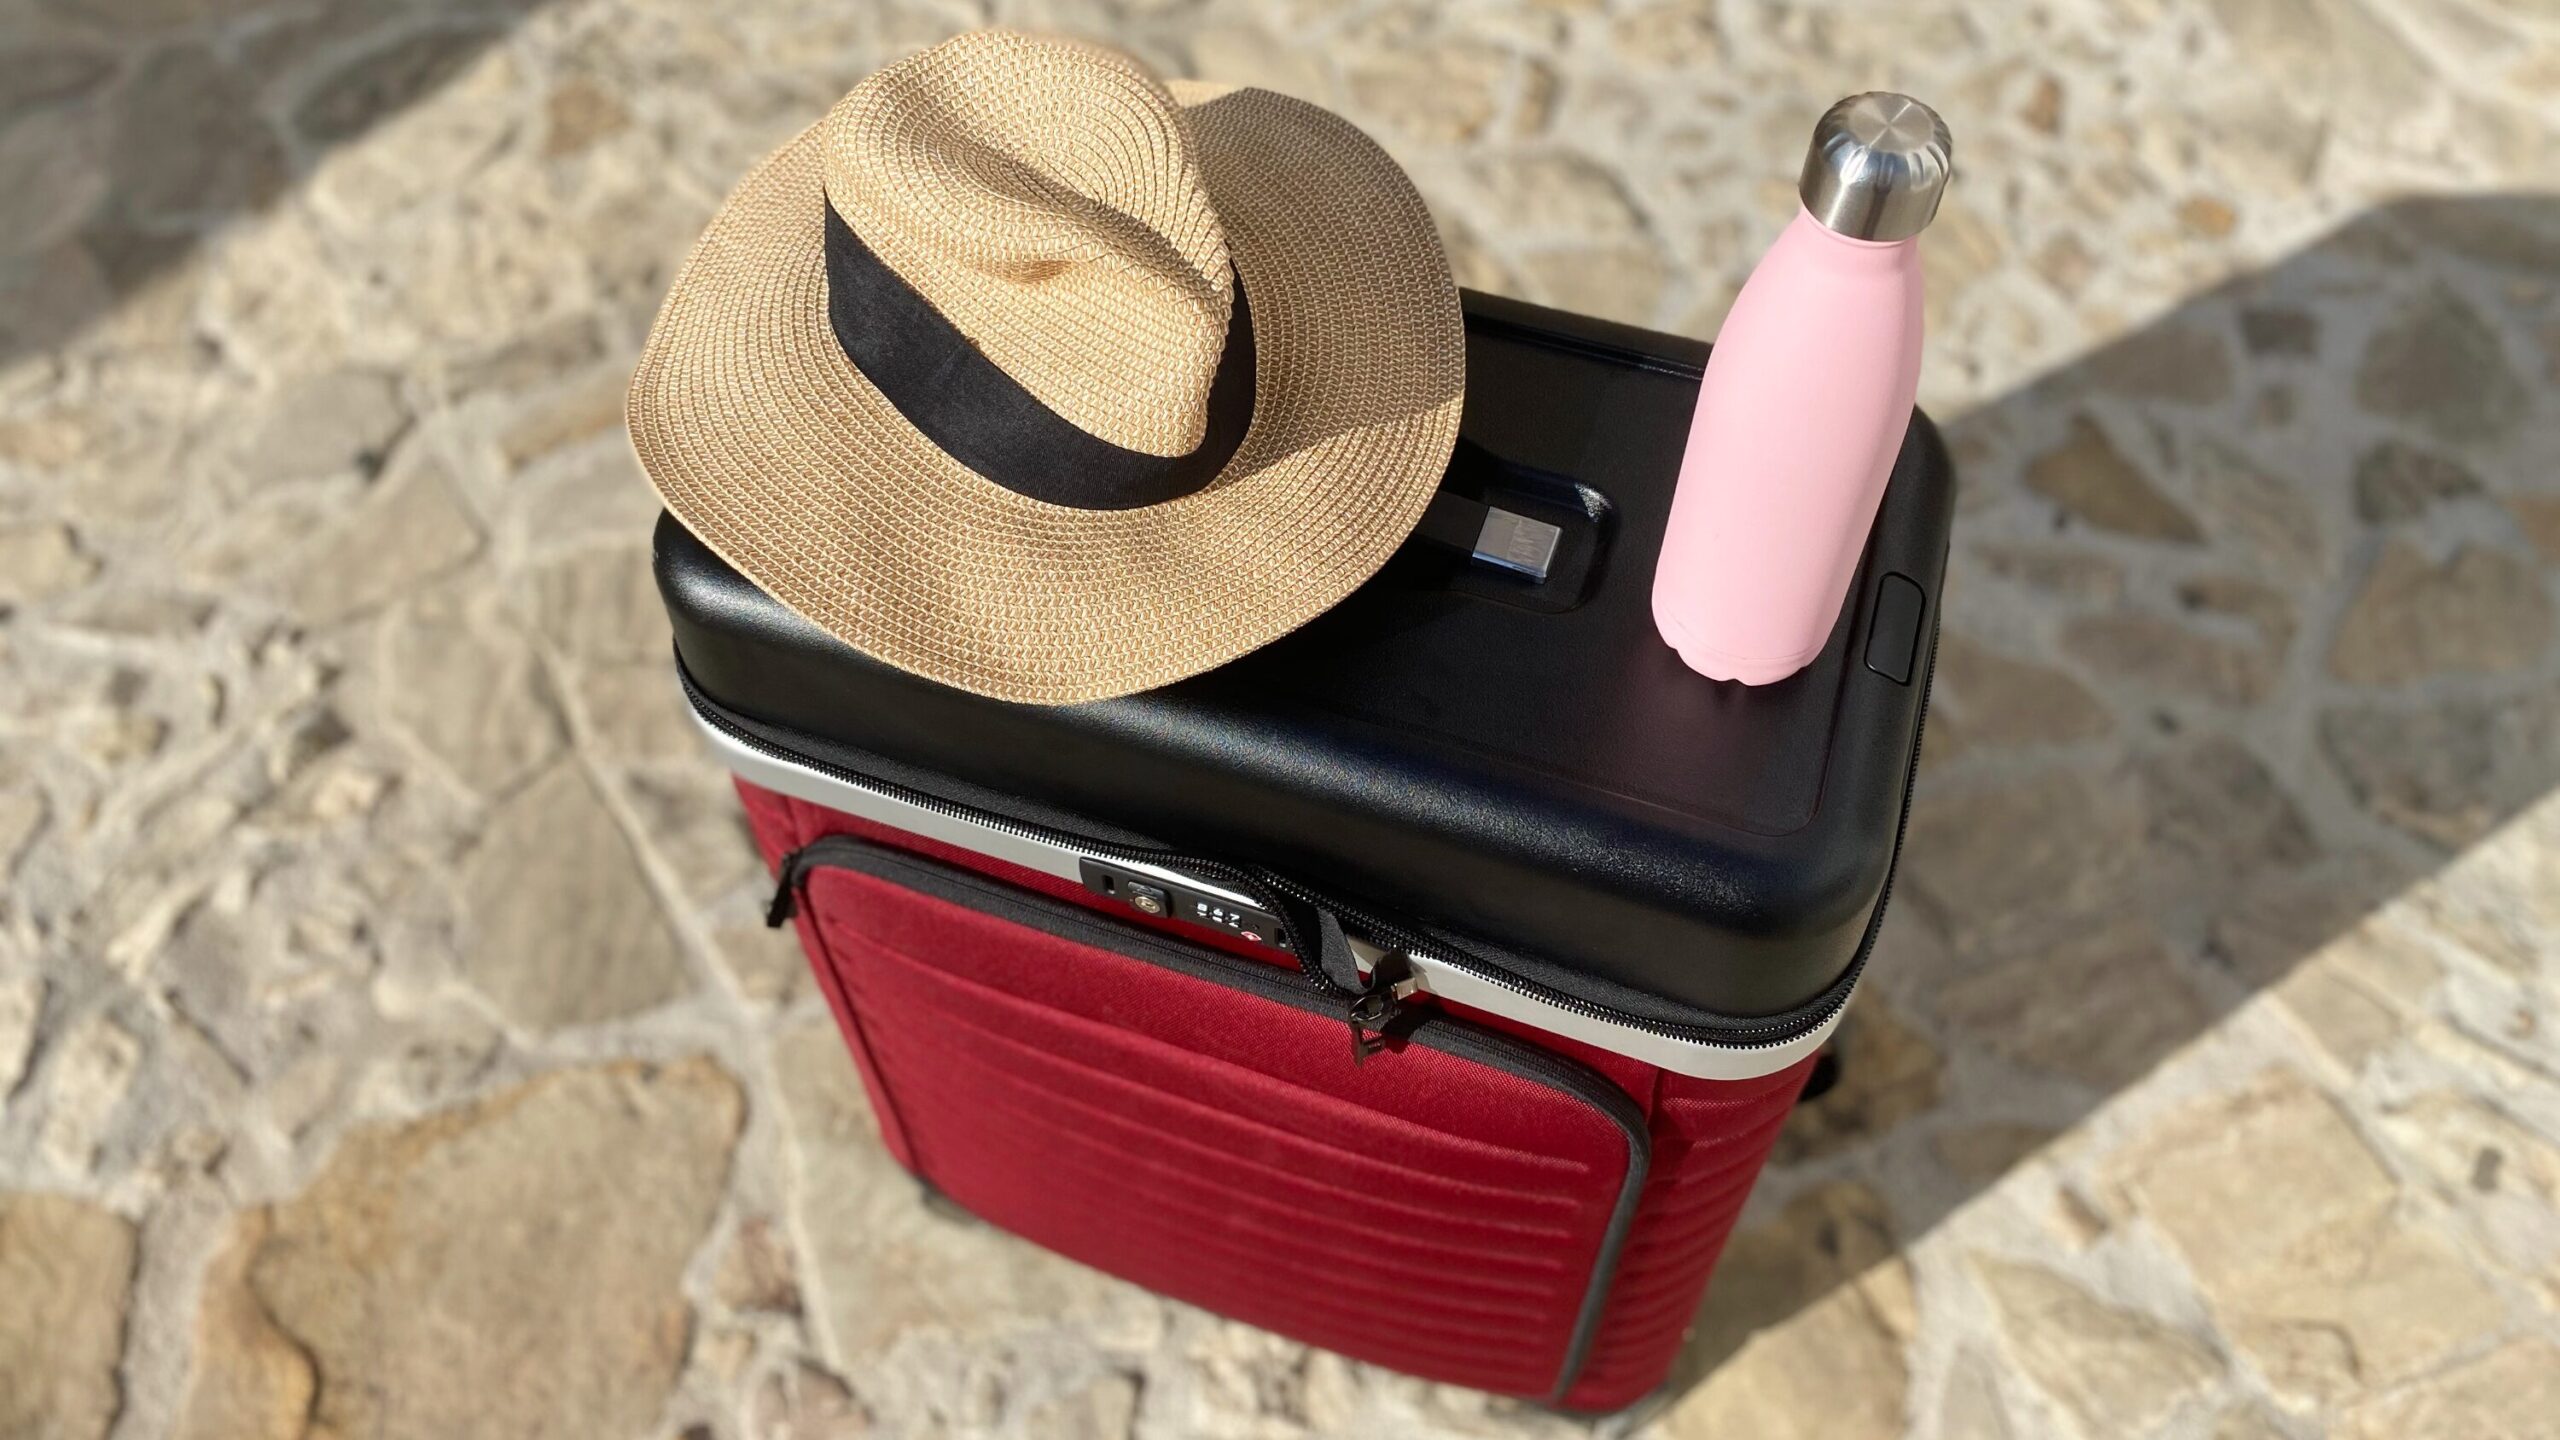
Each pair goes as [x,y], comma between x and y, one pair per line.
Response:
[1524,765]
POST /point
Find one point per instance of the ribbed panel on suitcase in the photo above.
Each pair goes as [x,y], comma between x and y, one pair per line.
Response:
[1481,1205]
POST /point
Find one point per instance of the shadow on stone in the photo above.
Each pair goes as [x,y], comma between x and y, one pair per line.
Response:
[130,130]
[2249,637]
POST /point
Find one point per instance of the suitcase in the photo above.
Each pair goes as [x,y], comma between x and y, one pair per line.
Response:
[1430,985]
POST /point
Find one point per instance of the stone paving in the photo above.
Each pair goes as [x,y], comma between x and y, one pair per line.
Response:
[388,1046]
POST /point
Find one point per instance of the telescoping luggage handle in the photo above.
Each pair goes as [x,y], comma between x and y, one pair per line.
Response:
[1539,530]
[1368,964]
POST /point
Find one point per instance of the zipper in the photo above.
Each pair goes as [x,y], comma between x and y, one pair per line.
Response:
[1429,1028]
[1305,946]
[1371,1009]
[1391,983]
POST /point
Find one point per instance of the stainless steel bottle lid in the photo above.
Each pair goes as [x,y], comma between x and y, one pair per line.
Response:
[1878,164]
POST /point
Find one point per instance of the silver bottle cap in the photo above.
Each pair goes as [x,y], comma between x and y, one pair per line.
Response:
[1878,164]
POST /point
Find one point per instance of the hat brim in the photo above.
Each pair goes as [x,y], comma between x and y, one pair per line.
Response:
[767,443]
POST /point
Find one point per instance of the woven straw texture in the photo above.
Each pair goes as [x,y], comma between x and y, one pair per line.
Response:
[1087,270]
[1045,195]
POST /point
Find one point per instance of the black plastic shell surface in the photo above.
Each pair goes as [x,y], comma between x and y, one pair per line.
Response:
[1532,769]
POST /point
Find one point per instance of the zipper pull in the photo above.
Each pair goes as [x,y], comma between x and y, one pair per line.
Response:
[1371,1013]
[1374,1009]
[786,891]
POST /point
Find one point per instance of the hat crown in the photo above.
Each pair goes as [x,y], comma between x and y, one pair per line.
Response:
[1044,197]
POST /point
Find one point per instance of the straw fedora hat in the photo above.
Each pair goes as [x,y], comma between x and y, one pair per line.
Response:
[1030,373]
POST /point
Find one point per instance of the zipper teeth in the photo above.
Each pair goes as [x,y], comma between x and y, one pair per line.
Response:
[1741,1035]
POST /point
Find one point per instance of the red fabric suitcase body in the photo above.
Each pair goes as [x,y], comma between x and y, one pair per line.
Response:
[1537,1217]
[1329,1013]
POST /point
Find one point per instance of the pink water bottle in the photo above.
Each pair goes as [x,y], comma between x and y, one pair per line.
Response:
[1804,403]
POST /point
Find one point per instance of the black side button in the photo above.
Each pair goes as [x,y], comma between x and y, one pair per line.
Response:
[1893,640]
